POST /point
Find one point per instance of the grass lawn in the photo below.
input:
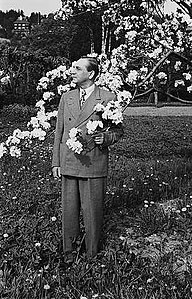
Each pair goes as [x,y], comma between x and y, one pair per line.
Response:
[147,241]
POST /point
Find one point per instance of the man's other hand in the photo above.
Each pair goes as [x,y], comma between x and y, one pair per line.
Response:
[56,172]
[99,138]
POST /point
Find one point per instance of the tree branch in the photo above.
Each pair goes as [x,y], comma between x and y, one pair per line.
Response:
[171,96]
[155,68]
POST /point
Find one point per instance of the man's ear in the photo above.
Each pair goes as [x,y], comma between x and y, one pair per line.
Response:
[92,73]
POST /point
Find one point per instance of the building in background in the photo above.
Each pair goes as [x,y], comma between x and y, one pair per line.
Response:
[21,26]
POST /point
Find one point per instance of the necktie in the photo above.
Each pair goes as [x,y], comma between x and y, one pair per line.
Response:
[82,100]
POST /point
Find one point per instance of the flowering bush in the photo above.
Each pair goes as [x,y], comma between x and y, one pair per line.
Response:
[18,112]
[52,86]
[146,39]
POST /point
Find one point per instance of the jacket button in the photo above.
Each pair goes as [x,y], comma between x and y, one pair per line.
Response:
[69,118]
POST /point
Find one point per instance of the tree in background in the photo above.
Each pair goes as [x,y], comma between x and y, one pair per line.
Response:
[150,43]
[27,59]
[54,36]
[7,20]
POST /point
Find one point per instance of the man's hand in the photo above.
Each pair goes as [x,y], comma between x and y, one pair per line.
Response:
[56,172]
[99,138]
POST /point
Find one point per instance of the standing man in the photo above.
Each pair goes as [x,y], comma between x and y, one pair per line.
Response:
[83,175]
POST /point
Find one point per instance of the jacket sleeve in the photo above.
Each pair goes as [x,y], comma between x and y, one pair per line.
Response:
[113,135]
[58,134]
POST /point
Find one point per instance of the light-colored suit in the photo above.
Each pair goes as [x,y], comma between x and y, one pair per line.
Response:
[78,169]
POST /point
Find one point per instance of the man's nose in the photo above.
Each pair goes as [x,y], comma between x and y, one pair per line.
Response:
[73,71]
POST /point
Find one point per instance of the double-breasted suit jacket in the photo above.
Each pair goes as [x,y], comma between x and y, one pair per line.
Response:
[94,162]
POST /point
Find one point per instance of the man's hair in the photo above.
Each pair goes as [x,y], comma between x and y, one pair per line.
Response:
[93,65]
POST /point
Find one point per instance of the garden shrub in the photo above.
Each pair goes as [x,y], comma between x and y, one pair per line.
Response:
[18,112]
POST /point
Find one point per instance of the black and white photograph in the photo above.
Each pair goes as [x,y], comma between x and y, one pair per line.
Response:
[95,149]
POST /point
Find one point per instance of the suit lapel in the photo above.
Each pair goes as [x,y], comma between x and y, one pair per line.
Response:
[73,103]
[88,106]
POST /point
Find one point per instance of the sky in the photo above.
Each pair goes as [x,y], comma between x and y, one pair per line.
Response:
[28,6]
[47,6]
[169,6]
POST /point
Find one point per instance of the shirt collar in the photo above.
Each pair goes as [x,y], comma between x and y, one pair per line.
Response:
[88,90]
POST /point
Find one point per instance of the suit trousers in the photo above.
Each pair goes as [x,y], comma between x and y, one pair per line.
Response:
[86,194]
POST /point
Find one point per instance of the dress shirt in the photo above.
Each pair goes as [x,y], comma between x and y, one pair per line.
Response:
[88,91]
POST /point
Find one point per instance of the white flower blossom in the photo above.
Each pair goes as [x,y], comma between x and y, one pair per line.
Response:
[43,83]
[63,88]
[38,133]
[14,151]
[40,103]
[51,114]
[132,77]
[75,145]
[33,122]
[12,140]
[74,132]
[187,76]
[179,82]
[124,96]
[99,107]
[92,126]
[189,88]
[161,76]
[177,65]
[47,96]
[155,54]
[5,80]
[130,35]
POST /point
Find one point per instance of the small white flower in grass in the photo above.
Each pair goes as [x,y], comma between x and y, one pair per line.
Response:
[187,76]
[184,209]
[37,244]
[146,206]
[3,149]
[177,65]
[53,218]
[5,235]
[122,238]
[189,88]
[47,287]
[179,82]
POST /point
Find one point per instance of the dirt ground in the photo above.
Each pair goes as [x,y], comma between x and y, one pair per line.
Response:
[162,111]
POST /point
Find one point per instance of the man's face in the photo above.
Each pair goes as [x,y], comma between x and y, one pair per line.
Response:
[79,72]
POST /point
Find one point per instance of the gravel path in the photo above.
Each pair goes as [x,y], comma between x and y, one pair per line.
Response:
[162,111]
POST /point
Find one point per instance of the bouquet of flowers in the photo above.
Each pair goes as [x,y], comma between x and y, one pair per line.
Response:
[110,115]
